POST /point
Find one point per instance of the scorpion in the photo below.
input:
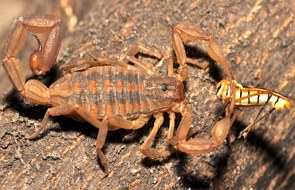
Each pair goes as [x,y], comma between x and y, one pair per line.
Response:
[113,95]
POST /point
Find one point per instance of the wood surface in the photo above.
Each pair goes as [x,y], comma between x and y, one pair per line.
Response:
[258,40]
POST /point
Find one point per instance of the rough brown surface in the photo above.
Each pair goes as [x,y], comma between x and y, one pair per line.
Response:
[258,39]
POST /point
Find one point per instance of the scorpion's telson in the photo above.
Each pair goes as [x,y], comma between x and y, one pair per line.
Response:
[253,96]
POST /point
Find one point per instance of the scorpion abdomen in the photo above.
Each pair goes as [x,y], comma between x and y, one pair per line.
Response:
[111,90]
[102,91]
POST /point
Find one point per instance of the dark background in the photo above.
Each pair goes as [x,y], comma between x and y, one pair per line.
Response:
[258,40]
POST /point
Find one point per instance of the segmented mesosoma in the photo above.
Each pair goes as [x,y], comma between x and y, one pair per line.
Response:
[112,90]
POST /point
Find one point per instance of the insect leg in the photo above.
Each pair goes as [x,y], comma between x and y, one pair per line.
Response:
[245,132]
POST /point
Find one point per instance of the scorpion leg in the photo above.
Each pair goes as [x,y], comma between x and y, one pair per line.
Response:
[69,110]
[171,125]
[85,64]
[143,50]
[54,111]
[100,140]
[65,110]
[135,49]
[154,153]
[115,121]
[184,126]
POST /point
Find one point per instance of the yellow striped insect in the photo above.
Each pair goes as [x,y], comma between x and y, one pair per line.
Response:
[248,97]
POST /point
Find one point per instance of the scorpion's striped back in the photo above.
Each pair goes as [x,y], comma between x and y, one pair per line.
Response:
[111,90]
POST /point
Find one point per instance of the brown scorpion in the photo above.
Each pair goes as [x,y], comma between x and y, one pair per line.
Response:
[113,95]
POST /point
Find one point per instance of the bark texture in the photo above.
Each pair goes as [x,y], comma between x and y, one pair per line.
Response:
[258,40]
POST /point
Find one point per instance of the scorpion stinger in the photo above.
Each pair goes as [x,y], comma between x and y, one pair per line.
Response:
[48,25]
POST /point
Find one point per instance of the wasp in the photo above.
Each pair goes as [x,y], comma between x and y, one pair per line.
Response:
[249,97]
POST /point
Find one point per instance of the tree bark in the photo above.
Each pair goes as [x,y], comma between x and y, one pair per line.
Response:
[258,40]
